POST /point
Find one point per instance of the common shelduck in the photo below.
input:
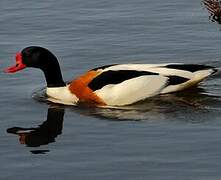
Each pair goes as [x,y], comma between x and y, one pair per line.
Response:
[111,85]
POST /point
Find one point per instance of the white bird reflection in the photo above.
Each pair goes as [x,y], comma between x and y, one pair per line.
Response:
[159,107]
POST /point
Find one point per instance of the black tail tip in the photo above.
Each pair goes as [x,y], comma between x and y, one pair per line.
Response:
[215,70]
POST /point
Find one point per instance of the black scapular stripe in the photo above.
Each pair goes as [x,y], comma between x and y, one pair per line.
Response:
[103,67]
[175,80]
[188,67]
[115,77]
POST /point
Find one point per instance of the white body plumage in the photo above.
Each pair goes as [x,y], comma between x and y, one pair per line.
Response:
[137,86]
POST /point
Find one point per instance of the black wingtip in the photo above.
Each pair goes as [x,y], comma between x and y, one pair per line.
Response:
[189,67]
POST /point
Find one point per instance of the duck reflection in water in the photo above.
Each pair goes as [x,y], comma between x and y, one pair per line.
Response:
[186,106]
[45,133]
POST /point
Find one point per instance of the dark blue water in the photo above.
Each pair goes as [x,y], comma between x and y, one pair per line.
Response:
[175,136]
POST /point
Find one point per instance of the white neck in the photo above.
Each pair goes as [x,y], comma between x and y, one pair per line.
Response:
[61,95]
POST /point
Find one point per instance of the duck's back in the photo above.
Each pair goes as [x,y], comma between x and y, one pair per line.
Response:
[122,84]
